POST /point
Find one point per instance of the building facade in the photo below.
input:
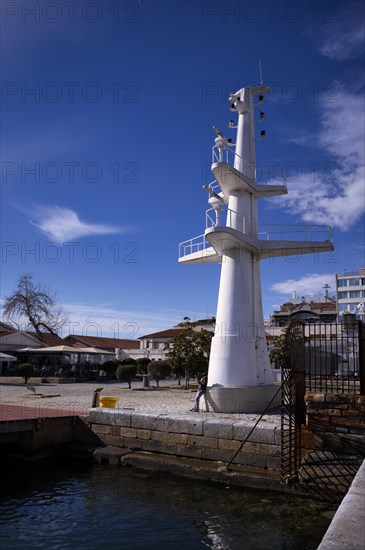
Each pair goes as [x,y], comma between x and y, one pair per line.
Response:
[308,310]
[350,287]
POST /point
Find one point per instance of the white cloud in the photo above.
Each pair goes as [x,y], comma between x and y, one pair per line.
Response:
[334,195]
[344,39]
[63,225]
[311,283]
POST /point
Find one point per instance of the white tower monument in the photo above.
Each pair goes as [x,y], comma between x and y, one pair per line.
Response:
[240,377]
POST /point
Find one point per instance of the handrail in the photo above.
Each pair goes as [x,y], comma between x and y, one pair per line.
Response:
[263,176]
[280,232]
[288,231]
[195,244]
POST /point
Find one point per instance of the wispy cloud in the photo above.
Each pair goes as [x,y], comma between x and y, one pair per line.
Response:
[311,283]
[306,139]
[101,320]
[333,195]
[343,38]
[63,225]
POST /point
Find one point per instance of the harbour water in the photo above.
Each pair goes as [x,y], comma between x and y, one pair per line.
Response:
[102,507]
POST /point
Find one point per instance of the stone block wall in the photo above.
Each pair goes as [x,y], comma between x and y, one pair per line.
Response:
[339,413]
[339,420]
[187,436]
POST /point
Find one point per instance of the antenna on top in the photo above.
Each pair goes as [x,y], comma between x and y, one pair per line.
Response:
[260,71]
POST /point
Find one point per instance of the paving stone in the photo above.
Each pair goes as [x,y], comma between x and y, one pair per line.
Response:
[177,403]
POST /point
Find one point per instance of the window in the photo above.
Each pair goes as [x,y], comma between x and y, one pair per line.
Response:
[342,282]
[341,295]
[354,282]
[354,293]
[342,307]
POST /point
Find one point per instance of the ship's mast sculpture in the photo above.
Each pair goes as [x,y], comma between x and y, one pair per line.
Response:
[240,377]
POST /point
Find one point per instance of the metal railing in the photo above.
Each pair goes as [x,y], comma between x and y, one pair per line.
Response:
[262,176]
[221,155]
[196,244]
[270,176]
[295,232]
[279,232]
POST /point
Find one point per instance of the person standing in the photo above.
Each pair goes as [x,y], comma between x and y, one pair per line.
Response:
[202,386]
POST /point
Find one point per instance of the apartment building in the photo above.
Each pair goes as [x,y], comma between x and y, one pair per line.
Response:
[350,287]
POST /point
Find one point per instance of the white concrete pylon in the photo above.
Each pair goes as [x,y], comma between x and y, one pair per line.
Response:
[239,356]
[240,377]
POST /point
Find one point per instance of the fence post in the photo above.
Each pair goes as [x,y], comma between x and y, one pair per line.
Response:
[362,357]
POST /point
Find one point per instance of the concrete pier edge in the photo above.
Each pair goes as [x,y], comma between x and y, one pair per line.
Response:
[347,529]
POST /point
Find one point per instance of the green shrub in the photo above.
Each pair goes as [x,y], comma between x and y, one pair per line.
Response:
[142,364]
[127,361]
[110,367]
[158,370]
[125,373]
[26,370]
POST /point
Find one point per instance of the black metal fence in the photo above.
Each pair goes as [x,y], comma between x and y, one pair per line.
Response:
[334,357]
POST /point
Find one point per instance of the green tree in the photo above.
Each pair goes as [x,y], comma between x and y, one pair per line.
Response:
[35,304]
[110,367]
[125,373]
[142,364]
[158,370]
[189,351]
[26,370]
[278,354]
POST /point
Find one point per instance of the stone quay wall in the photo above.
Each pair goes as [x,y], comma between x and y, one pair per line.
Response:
[339,419]
[189,436]
[339,413]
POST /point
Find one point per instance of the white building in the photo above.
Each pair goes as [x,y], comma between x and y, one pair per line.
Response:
[350,287]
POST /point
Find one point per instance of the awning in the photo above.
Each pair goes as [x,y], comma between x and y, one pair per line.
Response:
[65,349]
[6,357]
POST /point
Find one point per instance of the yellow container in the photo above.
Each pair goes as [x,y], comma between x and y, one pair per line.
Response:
[108,402]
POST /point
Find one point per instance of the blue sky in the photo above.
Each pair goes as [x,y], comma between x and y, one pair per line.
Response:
[106,136]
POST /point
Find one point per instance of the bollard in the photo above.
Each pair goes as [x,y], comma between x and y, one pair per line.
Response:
[146,381]
[96,397]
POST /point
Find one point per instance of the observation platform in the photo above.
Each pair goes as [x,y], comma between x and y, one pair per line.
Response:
[230,180]
[281,240]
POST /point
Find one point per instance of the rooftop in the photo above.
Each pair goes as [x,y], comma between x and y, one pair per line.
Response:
[361,272]
[101,342]
[169,333]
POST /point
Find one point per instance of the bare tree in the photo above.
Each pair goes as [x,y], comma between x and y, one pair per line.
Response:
[37,304]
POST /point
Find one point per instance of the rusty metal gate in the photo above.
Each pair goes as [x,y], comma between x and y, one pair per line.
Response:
[292,402]
[319,358]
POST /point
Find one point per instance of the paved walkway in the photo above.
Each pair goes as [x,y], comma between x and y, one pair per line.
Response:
[76,399]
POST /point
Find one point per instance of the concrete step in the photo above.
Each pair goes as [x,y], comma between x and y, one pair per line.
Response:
[110,455]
